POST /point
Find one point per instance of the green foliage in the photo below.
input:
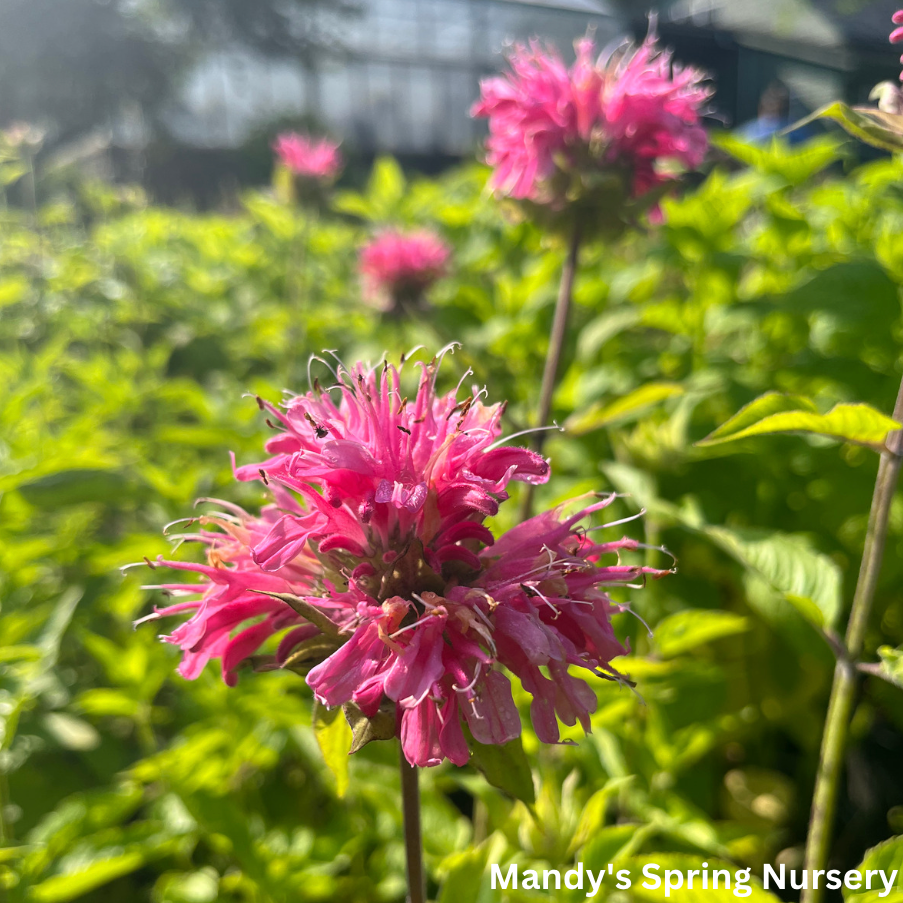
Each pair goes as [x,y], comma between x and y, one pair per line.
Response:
[891,667]
[129,337]
[887,857]
[776,413]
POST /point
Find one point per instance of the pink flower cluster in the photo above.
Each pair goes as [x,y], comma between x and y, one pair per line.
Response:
[896,36]
[377,526]
[398,264]
[631,112]
[313,158]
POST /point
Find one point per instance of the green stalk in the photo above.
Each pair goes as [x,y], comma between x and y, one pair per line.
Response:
[413,843]
[553,357]
[843,689]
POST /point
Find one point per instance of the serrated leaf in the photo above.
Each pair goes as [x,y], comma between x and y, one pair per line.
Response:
[505,767]
[688,629]
[806,578]
[334,739]
[886,857]
[860,424]
[620,409]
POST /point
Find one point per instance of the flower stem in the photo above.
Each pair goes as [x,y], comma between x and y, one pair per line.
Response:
[413,844]
[553,357]
[843,689]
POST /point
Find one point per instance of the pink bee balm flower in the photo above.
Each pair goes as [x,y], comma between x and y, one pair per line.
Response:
[312,158]
[230,594]
[376,570]
[625,114]
[896,36]
[397,267]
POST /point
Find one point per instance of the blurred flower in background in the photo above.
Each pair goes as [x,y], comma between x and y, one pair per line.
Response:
[311,158]
[889,94]
[609,129]
[398,267]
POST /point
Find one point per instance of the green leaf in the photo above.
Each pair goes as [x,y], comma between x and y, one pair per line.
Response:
[70,732]
[306,610]
[685,630]
[101,701]
[188,887]
[629,405]
[795,164]
[775,413]
[505,767]
[386,186]
[74,487]
[643,889]
[463,874]
[808,580]
[871,125]
[891,667]
[592,819]
[68,887]
[604,328]
[612,843]
[886,857]
[334,739]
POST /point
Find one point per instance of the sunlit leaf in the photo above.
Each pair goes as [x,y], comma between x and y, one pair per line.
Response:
[334,739]
[795,163]
[619,410]
[868,124]
[592,819]
[891,667]
[644,888]
[685,630]
[463,875]
[886,857]
[775,413]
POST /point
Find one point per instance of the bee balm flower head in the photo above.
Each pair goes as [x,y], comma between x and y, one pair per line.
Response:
[398,267]
[598,134]
[317,159]
[374,566]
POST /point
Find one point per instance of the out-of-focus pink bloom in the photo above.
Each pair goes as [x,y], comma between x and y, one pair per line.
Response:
[888,94]
[629,113]
[312,158]
[398,266]
[377,523]
[896,36]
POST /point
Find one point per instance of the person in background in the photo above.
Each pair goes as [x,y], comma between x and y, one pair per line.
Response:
[773,116]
